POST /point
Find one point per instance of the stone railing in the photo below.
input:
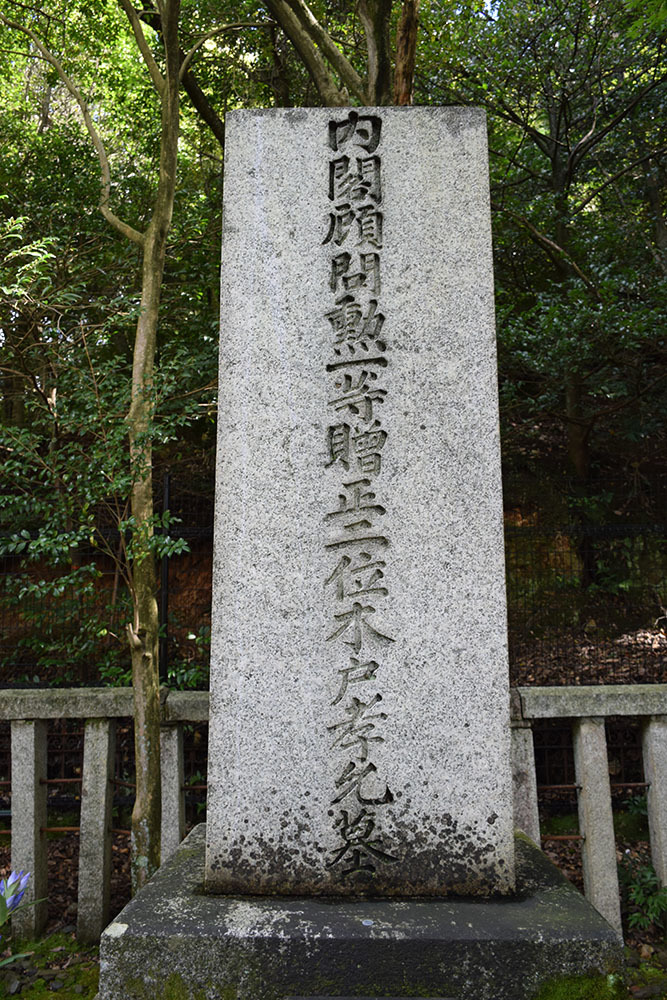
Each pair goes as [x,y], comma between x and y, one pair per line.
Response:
[587,707]
[28,712]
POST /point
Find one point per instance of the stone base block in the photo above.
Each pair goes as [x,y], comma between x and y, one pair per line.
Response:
[172,942]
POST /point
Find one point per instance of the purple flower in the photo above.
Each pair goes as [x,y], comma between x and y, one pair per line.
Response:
[13,889]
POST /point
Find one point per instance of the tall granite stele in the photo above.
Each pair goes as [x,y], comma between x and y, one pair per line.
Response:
[360,833]
[359,687]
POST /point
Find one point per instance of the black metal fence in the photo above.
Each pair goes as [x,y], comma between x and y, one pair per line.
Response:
[586,604]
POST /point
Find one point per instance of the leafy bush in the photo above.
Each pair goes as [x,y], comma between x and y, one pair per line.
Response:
[643,896]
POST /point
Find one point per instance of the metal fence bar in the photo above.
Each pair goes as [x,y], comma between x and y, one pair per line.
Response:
[95,843]
[28,749]
[596,822]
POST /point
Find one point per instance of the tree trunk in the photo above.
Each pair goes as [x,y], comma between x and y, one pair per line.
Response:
[143,631]
[578,433]
[375,16]
[577,429]
[406,50]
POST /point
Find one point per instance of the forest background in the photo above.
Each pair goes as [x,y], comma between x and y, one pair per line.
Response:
[111,171]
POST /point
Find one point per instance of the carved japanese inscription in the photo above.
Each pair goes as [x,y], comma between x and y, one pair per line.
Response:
[357,522]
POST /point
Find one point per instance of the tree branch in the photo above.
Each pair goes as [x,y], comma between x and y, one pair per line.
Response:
[610,180]
[589,141]
[375,15]
[144,48]
[406,49]
[550,245]
[346,71]
[197,96]
[185,65]
[326,87]
[202,105]
[105,178]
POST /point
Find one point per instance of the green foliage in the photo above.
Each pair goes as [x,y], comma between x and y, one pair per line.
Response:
[644,897]
[576,107]
[192,671]
[637,805]
[576,111]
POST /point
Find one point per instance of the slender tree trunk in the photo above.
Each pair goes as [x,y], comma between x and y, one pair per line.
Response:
[577,430]
[143,631]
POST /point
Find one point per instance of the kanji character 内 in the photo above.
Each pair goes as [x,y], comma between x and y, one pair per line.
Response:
[359,130]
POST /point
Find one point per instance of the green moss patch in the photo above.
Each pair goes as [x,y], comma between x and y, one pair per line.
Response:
[56,966]
[584,988]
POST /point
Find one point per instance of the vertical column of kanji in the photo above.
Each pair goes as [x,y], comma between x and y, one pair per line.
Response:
[357,536]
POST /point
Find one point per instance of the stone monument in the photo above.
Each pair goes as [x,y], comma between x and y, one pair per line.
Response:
[360,684]
[360,833]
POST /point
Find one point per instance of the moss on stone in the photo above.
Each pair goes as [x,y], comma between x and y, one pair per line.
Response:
[173,988]
[583,988]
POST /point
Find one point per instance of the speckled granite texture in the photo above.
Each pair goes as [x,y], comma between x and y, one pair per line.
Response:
[359,688]
[173,942]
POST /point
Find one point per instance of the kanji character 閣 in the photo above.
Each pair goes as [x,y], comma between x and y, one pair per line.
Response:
[348,184]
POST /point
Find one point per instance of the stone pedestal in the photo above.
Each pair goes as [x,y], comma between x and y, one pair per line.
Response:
[174,942]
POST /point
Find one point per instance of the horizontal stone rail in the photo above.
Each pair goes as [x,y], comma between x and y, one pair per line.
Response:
[28,711]
[587,708]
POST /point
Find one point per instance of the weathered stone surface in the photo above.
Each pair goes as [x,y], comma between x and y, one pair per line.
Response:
[172,779]
[174,941]
[28,739]
[596,822]
[359,517]
[67,703]
[593,700]
[654,753]
[185,706]
[526,810]
[99,751]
